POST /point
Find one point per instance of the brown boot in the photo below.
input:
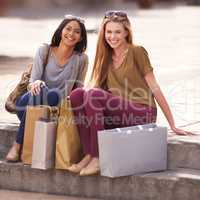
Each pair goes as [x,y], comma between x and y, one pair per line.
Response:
[14,153]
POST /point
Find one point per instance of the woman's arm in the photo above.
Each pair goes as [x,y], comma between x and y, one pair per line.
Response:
[161,100]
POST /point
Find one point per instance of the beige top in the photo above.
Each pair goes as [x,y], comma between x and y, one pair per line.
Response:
[128,79]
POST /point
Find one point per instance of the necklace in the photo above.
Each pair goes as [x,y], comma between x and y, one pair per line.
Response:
[118,60]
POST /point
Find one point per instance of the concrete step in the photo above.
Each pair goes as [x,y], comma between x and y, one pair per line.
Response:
[19,195]
[183,151]
[179,184]
[7,136]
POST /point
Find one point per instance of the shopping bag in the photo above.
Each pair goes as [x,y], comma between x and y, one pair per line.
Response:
[33,114]
[132,150]
[68,147]
[44,142]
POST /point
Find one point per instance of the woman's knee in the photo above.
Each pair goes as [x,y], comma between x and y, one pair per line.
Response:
[53,97]
[95,94]
[76,97]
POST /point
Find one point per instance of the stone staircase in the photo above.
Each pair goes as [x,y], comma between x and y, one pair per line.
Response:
[180,182]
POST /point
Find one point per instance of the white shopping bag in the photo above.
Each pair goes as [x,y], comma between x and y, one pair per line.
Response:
[132,150]
[44,142]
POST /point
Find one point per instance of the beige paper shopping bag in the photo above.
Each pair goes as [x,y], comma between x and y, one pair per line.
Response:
[32,115]
[68,147]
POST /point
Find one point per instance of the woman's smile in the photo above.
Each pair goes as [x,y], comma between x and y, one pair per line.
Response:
[115,34]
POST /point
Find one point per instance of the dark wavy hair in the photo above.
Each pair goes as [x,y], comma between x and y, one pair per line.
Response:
[80,46]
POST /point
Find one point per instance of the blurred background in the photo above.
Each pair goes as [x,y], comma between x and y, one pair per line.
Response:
[60,3]
[5,4]
[168,29]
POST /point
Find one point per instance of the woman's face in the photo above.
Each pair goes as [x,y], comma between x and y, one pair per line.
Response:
[115,34]
[71,34]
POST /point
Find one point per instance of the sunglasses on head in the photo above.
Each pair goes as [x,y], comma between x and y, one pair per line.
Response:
[115,14]
[72,17]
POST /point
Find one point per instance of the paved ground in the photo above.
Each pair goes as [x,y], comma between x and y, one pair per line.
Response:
[16,195]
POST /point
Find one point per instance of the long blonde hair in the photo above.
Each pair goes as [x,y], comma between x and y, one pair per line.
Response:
[104,52]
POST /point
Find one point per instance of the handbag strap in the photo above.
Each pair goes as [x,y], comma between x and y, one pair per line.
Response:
[46,58]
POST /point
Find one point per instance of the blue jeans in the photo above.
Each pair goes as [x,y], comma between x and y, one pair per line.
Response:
[47,96]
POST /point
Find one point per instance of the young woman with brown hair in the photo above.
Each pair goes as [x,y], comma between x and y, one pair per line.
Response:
[65,69]
[124,90]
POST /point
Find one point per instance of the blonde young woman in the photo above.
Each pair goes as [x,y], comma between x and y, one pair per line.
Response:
[125,90]
[65,69]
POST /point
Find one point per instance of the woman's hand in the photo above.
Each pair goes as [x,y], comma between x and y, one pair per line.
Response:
[35,87]
[179,131]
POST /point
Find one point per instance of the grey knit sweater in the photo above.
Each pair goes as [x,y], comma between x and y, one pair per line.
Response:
[63,77]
